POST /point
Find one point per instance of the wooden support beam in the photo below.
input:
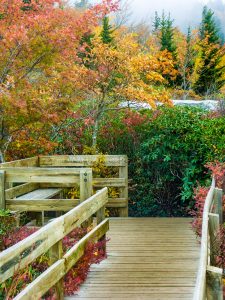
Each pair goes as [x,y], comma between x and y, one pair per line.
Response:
[76,252]
[218,202]
[81,160]
[55,273]
[42,204]
[43,239]
[214,226]
[2,189]
[214,283]
[21,190]
[123,173]
[55,254]
[43,283]
[27,162]
[100,215]
[85,184]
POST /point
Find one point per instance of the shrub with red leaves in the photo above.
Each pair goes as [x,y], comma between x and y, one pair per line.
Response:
[17,235]
[218,172]
[200,196]
[220,259]
[94,253]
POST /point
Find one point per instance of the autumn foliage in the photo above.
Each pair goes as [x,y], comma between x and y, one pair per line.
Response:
[94,254]
[218,171]
[34,45]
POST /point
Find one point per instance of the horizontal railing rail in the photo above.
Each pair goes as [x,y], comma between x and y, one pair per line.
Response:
[49,238]
[119,162]
[209,278]
[35,178]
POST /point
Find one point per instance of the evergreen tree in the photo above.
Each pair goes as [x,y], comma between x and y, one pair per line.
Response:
[210,73]
[157,22]
[107,31]
[208,27]
[188,66]
[167,35]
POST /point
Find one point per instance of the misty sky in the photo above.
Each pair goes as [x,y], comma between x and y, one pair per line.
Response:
[184,12]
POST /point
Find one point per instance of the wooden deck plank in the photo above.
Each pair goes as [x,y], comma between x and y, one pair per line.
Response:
[40,194]
[148,258]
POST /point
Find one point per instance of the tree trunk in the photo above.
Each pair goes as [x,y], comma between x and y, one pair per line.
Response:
[95,134]
[2,158]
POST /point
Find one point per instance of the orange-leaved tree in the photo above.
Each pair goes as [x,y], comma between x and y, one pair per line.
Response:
[36,38]
[108,74]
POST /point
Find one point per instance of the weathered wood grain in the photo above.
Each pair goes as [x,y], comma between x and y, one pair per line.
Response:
[109,182]
[56,175]
[75,253]
[123,173]
[21,190]
[55,254]
[210,225]
[81,160]
[2,189]
[24,252]
[117,202]
[42,204]
[85,184]
[27,250]
[60,163]
[137,270]
[85,210]
[40,194]
[218,203]
[42,283]
[60,266]
[27,162]
[214,283]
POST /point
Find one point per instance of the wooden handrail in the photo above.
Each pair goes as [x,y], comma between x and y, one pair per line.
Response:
[120,162]
[201,290]
[35,177]
[50,238]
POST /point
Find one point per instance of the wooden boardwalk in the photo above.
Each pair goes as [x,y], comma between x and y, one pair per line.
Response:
[148,258]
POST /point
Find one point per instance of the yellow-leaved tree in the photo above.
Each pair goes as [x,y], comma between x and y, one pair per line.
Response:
[107,74]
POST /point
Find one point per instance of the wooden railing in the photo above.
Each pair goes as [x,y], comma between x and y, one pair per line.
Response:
[209,279]
[115,161]
[49,238]
[87,161]
[35,178]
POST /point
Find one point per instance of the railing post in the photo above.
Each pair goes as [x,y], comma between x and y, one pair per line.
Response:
[123,173]
[2,190]
[85,184]
[56,253]
[86,190]
[100,216]
[218,200]
[214,226]
[214,283]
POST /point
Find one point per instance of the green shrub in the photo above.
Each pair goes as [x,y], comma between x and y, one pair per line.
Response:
[167,151]
[176,147]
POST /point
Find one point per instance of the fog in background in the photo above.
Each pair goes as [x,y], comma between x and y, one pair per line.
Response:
[184,12]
